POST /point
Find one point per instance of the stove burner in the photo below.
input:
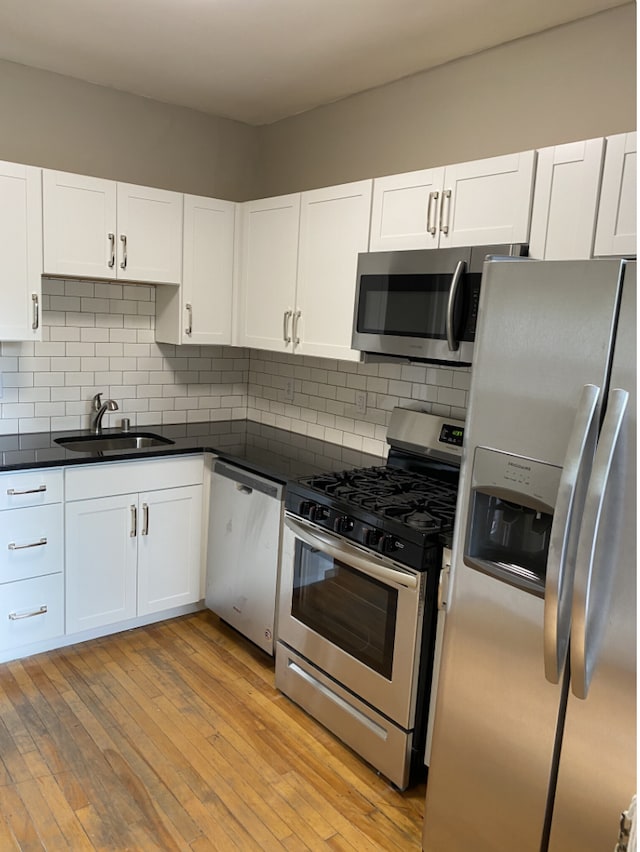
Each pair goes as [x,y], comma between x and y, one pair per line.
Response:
[408,497]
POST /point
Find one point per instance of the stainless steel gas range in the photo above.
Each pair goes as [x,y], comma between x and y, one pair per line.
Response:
[359,593]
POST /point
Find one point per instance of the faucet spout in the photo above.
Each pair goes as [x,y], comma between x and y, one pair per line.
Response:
[100,407]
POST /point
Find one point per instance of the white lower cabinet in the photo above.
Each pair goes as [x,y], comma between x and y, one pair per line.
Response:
[31,558]
[133,553]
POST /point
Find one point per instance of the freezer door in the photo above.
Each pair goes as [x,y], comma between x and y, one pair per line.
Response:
[545,333]
[597,774]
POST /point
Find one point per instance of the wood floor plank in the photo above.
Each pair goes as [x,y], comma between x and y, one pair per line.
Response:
[174,737]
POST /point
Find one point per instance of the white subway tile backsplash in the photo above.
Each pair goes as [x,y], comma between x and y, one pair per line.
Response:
[99,337]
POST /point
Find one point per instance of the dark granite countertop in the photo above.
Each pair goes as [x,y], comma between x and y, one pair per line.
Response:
[276,453]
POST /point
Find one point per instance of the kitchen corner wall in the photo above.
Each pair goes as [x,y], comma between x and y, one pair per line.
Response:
[324,399]
[99,337]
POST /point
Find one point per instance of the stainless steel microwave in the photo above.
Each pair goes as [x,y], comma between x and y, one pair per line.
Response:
[421,305]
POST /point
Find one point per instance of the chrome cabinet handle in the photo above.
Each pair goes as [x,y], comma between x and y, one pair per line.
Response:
[561,558]
[590,610]
[296,318]
[444,229]
[14,546]
[112,254]
[123,240]
[285,327]
[145,519]
[134,522]
[432,206]
[14,616]
[35,305]
[13,493]
[451,303]
[189,309]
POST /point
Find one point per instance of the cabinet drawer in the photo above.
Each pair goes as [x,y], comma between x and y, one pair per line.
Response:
[31,611]
[30,488]
[107,480]
[30,542]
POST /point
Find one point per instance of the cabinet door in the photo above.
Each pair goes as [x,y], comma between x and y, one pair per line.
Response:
[487,201]
[268,272]
[101,553]
[616,228]
[565,201]
[169,548]
[79,225]
[21,252]
[334,227]
[149,234]
[199,312]
[405,210]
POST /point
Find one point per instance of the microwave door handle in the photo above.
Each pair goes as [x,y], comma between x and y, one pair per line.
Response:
[561,555]
[590,611]
[453,294]
[366,563]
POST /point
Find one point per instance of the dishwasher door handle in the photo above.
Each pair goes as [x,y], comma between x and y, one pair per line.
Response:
[243,489]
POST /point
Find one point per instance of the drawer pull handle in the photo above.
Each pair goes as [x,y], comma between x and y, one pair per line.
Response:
[14,546]
[145,519]
[13,493]
[134,521]
[14,616]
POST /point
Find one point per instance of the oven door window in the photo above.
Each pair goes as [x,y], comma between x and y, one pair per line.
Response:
[349,609]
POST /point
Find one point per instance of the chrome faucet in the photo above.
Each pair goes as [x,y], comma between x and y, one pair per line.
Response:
[100,407]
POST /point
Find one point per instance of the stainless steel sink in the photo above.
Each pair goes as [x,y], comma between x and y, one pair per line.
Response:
[104,443]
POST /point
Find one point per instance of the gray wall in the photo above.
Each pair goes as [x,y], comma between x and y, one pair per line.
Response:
[60,123]
[574,82]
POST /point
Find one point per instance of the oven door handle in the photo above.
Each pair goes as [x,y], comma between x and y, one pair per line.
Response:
[370,564]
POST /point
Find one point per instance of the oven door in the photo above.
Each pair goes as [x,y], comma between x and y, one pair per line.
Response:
[355,615]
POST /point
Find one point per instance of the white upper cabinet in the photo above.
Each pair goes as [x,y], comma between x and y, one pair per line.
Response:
[96,228]
[334,227]
[565,201]
[200,311]
[21,251]
[149,234]
[268,272]
[405,210]
[482,202]
[299,259]
[616,227]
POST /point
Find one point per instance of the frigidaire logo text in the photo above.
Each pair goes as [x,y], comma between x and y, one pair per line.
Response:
[519,466]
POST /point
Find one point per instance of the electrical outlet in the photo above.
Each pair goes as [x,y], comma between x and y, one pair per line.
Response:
[288,390]
[361,402]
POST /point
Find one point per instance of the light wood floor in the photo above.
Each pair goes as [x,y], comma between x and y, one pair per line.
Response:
[173,737]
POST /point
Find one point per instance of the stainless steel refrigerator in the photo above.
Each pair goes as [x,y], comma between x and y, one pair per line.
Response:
[534,744]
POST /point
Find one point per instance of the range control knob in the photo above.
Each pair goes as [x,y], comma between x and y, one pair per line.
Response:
[387,544]
[343,524]
[372,537]
[308,509]
[318,512]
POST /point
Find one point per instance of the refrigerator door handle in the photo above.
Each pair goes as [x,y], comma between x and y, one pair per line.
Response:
[561,555]
[589,611]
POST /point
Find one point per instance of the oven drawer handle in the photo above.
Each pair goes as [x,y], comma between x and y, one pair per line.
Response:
[367,564]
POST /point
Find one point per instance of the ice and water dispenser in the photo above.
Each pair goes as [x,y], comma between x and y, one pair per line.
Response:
[510,517]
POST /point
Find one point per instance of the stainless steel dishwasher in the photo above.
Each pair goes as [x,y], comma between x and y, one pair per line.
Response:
[245,517]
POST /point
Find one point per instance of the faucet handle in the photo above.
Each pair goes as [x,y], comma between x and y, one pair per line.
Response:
[97,402]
